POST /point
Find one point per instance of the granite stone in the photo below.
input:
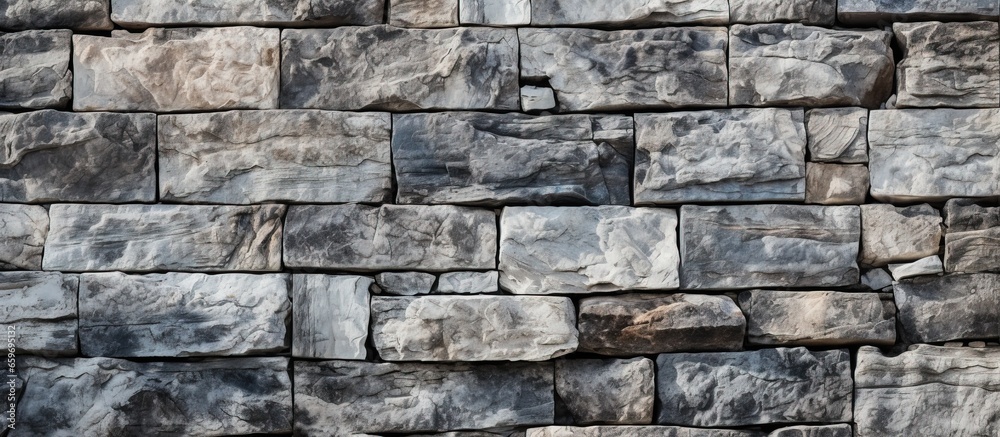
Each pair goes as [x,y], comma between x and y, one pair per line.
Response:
[950,307]
[34,69]
[618,391]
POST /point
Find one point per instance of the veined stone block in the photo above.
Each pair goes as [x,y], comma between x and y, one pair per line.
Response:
[814,12]
[468,282]
[405,283]
[636,431]
[870,12]
[838,135]
[972,243]
[607,390]
[818,318]
[928,265]
[628,13]
[330,316]
[88,15]
[22,236]
[890,234]
[495,12]
[950,307]
[284,13]
[423,13]
[34,69]
[42,307]
[836,184]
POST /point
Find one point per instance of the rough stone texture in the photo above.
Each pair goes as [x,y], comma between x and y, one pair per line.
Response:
[423,13]
[636,431]
[731,247]
[34,69]
[640,324]
[275,155]
[23,229]
[870,12]
[495,12]
[182,314]
[817,318]
[534,98]
[606,390]
[142,238]
[330,316]
[405,283]
[930,265]
[88,15]
[468,282]
[930,390]
[495,159]
[838,135]
[628,13]
[320,13]
[892,234]
[950,307]
[107,396]
[842,430]
[167,70]
[473,328]
[973,238]
[594,70]
[341,398]
[948,64]
[836,184]
[720,155]
[796,65]
[390,237]
[933,154]
[587,249]
[52,156]
[458,68]
[815,12]
[767,386]
[42,308]
[876,279]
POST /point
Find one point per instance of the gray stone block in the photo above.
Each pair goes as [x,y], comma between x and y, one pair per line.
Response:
[871,12]
[628,13]
[405,283]
[636,431]
[495,12]
[813,12]
[950,307]
[838,135]
[42,307]
[34,69]
[893,234]
[615,391]
[22,236]
[330,316]
[836,184]
[86,15]
[284,13]
[468,282]
[423,13]
[972,241]
[817,318]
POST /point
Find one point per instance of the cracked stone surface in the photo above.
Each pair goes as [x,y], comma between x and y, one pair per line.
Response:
[616,391]
[838,135]
[23,229]
[42,306]
[294,13]
[34,69]
[972,241]
[818,318]
[871,12]
[556,250]
[814,12]
[330,316]
[929,265]
[241,157]
[405,283]
[636,431]
[496,159]
[950,307]
[836,184]
[468,282]
[86,15]
[628,13]
[892,234]
[423,13]
[495,12]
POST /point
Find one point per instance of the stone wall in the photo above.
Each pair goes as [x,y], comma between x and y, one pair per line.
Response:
[531,218]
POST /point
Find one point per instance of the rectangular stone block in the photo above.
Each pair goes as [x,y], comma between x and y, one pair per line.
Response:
[390,237]
[871,12]
[628,13]
[330,316]
[42,307]
[344,398]
[34,69]
[468,282]
[836,184]
[86,15]
[812,12]
[748,246]
[767,386]
[722,155]
[52,156]
[423,13]
[890,234]
[594,70]
[606,390]
[181,69]
[241,157]
[950,307]
[637,431]
[818,318]
[405,69]
[496,159]
[552,250]
[797,65]
[838,135]
[284,13]
[22,236]
[948,64]
[495,12]
[142,238]
[182,314]
[973,239]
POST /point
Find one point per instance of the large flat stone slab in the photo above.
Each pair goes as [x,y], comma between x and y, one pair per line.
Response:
[241,157]
[636,431]
[86,15]
[628,13]
[813,12]
[330,316]
[951,307]
[594,70]
[22,236]
[140,238]
[390,237]
[972,240]
[818,318]
[767,386]
[744,155]
[948,64]
[182,69]
[343,397]
[34,69]
[457,68]
[473,328]
[285,13]
[52,156]
[42,307]
[553,250]
[892,234]
[606,390]
[871,12]
[731,247]
[496,159]
[797,65]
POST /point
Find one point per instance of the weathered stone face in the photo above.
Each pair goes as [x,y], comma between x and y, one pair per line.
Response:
[662,68]
[34,69]
[495,12]
[929,265]
[606,390]
[838,135]
[636,431]
[42,306]
[330,316]
[22,236]
[814,12]
[87,15]
[468,282]
[423,13]
[836,184]
[168,70]
[721,155]
[144,13]
[459,68]
[550,250]
[890,234]
[973,238]
[405,283]
[628,13]
[951,307]
[795,65]
[842,430]
[870,12]
[817,318]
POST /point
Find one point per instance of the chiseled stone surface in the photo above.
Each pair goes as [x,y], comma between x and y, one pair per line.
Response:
[973,238]
[240,157]
[390,237]
[606,390]
[929,390]
[182,314]
[641,324]
[892,234]
[838,135]
[553,250]
[163,237]
[108,396]
[876,279]
[405,283]
[468,282]
[320,13]
[797,65]
[43,309]
[928,265]
[628,13]
[342,397]
[53,156]
[747,246]
[537,98]
[948,64]
[842,430]
[933,154]
[950,307]
[473,328]
[720,155]
[767,386]
[815,12]
[34,69]
[495,12]
[870,12]
[423,13]
[496,159]
[88,15]
[817,318]
[23,229]
[836,184]
[457,68]
[636,431]
[330,316]
[181,69]
[595,70]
